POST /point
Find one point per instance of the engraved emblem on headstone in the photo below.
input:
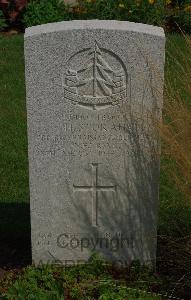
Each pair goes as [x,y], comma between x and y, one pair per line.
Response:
[95,188]
[96,79]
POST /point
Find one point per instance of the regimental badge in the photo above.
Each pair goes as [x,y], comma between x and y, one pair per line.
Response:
[96,79]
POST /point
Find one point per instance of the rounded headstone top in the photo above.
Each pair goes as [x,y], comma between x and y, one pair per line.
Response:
[95,24]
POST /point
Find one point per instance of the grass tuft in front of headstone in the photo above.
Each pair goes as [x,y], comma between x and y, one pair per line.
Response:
[95,280]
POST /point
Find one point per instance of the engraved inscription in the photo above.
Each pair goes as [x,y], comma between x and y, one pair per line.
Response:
[90,81]
[100,134]
[95,188]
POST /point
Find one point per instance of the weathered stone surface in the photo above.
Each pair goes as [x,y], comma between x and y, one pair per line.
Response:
[94,97]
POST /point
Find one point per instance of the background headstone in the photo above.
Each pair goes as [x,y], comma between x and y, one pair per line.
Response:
[94,100]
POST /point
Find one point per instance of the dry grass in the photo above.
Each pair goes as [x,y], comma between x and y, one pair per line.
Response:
[174,241]
[176,127]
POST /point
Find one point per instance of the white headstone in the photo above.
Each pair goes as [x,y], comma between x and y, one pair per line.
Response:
[94,97]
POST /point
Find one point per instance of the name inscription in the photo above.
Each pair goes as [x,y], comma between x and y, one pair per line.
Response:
[102,134]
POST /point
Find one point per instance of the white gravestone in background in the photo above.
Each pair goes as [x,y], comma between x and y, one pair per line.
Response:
[94,98]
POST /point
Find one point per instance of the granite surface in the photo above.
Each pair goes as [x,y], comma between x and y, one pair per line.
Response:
[94,100]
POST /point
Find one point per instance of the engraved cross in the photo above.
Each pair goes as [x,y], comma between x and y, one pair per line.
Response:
[95,188]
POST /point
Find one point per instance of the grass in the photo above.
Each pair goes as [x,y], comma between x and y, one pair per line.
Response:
[91,281]
[14,189]
[13,139]
[175,193]
[174,253]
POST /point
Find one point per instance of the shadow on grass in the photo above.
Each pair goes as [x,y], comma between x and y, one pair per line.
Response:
[15,244]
